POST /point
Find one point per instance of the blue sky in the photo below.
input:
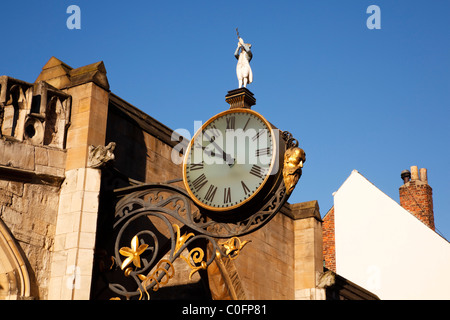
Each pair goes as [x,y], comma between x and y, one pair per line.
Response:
[372,100]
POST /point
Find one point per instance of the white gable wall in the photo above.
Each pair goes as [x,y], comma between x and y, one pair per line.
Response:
[385,249]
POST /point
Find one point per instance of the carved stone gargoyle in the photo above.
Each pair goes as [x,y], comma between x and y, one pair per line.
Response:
[100,155]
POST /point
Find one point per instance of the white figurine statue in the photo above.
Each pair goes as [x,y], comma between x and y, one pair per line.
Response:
[244,54]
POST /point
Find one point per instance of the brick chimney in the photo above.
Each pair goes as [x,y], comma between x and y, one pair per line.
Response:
[416,195]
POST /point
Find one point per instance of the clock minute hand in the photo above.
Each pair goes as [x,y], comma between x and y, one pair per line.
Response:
[225,156]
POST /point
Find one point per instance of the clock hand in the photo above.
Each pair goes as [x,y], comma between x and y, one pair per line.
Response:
[225,156]
[210,153]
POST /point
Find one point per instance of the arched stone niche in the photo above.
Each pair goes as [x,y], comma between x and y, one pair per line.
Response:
[14,277]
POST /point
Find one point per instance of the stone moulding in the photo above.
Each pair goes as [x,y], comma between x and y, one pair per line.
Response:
[30,176]
[13,267]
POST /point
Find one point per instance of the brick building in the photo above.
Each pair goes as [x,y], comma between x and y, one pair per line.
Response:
[67,144]
[390,249]
[416,196]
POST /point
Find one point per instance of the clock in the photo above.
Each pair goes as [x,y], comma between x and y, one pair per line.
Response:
[231,160]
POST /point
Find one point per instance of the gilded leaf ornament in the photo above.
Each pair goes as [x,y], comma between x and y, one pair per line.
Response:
[233,246]
[133,254]
[181,240]
[195,254]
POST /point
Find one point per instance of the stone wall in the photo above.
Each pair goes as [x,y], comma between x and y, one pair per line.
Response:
[29,196]
[266,265]
[29,210]
[143,145]
[75,232]
[45,162]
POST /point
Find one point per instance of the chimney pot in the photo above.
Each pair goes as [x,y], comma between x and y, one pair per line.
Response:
[417,196]
[423,175]
[406,176]
[414,173]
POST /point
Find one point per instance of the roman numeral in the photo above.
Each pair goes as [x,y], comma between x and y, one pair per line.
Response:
[262,152]
[211,193]
[246,189]
[231,122]
[196,166]
[257,171]
[214,131]
[227,195]
[199,182]
[260,132]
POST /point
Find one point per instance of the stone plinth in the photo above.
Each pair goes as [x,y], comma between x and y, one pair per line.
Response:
[240,98]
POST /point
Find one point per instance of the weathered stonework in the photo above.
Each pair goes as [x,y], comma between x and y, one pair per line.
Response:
[30,177]
[29,210]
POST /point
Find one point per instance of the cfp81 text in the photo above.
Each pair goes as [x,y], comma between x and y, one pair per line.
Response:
[246,309]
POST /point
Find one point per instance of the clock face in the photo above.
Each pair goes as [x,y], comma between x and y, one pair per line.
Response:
[229,159]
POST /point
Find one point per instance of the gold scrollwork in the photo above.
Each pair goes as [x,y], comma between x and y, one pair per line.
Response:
[196,254]
[164,270]
[233,247]
[168,274]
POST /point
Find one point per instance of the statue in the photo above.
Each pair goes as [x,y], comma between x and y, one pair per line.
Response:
[244,54]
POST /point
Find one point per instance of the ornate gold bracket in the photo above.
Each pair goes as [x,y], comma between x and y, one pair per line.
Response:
[165,270]
[195,254]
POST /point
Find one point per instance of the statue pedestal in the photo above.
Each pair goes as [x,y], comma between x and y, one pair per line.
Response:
[240,98]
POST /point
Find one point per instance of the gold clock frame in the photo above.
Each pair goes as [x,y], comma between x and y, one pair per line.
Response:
[275,154]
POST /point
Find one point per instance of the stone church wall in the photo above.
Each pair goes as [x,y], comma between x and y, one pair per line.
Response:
[143,145]
[266,265]
[29,198]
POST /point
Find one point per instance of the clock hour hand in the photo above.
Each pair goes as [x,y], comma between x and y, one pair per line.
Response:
[210,153]
[225,156]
